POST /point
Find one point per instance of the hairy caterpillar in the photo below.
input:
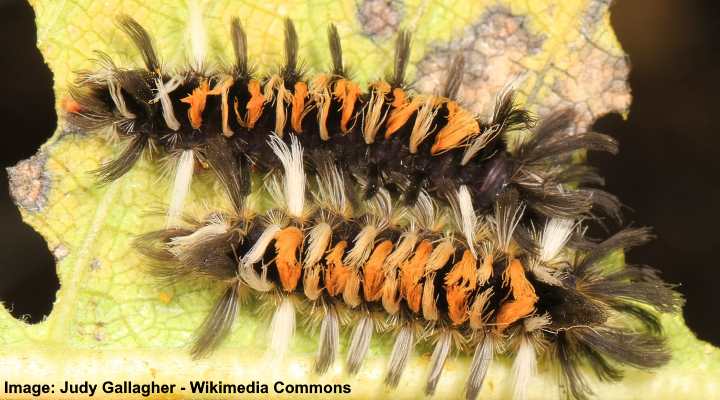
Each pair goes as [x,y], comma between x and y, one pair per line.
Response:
[391,211]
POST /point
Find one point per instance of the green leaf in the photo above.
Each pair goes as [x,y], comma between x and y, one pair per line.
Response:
[111,321]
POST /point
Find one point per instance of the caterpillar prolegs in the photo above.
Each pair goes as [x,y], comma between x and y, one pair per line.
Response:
[384,211]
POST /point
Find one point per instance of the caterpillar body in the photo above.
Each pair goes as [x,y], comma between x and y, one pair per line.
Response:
[390,212]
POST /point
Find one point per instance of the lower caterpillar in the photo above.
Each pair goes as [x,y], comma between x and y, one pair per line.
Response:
[390,212]
[471,283]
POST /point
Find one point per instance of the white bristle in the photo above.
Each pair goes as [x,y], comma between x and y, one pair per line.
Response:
[331,190]
[181,244]
[545,274]
[424,213]
[380,211]
[440,255]
[163,95]
[246,268]
[282,329]
[536,322]
[437,362]
[403,347]
[359,344]
[329,341]
[479,143]
[351,293]
[362,248]
[390,299]
[117,98]
[523,369]
[373,116]
[423,126]
[198,34]
[318,240]
[181,187]
[280,111]
[506,221]
[429,298]
[257,282]
[554,237]
[479,367]
[294,179]
[468,219]
[311,282]
[402,251]
[260,246]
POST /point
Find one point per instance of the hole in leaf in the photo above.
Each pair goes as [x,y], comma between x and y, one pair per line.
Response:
[28,281]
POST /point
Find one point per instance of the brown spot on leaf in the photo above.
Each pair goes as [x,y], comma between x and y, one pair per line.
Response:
[60,251]
[493,48]
[99,332]
[588,77]
[594,83]
[596,10]
[30,183]
[379,19]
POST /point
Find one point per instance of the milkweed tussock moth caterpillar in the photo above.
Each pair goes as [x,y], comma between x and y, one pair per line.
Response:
[391,212]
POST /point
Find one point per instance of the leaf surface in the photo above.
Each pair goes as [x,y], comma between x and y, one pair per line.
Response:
[111,321]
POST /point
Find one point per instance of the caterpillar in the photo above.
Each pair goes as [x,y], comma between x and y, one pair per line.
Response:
[385,211]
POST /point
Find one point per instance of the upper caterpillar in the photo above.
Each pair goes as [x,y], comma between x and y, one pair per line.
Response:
[388,136]
[417,212]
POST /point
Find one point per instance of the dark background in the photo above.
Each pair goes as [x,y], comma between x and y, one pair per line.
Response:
[667,172]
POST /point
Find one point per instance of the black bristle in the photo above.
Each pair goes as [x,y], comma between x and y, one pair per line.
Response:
[217,324]
[623,240]
[401,60]
[118,167]
[454,77]
[508,115]
[234,177]
[572,380]
[290,70]
[639,350]
[647,318]
[239,42]
[142,41]
[338,68]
